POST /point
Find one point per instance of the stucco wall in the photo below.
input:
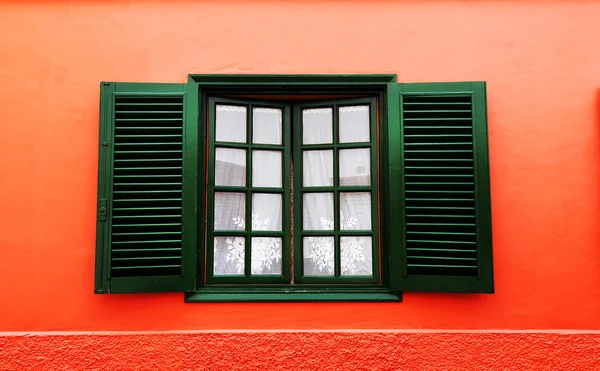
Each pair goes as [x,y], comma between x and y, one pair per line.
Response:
[301,351]
[541,61]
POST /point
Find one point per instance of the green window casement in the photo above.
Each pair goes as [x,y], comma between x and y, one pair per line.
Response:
[293,187]
[248,220]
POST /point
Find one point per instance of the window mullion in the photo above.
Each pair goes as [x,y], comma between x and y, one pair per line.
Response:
[336,195]
[248,245]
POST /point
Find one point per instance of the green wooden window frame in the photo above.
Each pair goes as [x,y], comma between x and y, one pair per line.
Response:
[286,148]
[465,269]
[336,189]
[248,190]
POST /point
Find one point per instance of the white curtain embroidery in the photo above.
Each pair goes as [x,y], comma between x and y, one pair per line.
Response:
[351,254]
[266,251]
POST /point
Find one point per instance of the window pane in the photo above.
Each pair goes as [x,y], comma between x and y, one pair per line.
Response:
[266,125]
[317,126]
[355,211]
[355,167]
[266,212]
[318,256]
[229,255]
[356,256]
[230,209]
[317,168]
[318,211]
[230,167]
[266,255]
[266,169]
[230,124]
[354,124]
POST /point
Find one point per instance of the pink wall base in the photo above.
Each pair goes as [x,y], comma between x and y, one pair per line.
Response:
[350,350]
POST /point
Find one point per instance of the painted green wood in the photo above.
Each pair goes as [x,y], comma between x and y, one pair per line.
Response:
[102,266]
[283,294]
[443,205]
[133,255]
[291,80]
[193,205]
[395,192]
[247,278]
[336,189]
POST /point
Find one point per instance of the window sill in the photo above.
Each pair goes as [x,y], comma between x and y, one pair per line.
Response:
[291,295]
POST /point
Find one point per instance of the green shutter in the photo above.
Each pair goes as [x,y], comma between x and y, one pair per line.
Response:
[440,218]
[147,189]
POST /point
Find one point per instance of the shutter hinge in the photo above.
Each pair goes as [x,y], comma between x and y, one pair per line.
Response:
[102,210]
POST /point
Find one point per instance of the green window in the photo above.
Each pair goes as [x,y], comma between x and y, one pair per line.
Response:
[293,187]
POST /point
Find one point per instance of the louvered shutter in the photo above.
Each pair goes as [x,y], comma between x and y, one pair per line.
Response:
[147,188]
[439,160]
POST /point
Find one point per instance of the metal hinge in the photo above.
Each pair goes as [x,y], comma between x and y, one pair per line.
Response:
[102,209]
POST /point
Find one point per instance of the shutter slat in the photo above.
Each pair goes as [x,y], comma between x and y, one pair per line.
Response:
[147,208]
[148,143]
[145,241]
[443,224]
[442,266]
[149,119]
[157,151]
[436,127]
[148,199]
[153,128]
[440,216]
[152,224]
[124,112]
[446,191]
[441,258]
[149,176]
[148,136]
[142,250]
[440,242]
[153,267]
[408,168]
[145,233]
[409,111]
[436,119]
[441,233]
[142,104]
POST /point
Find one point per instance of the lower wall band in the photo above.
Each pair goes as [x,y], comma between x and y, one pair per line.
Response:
[301,350]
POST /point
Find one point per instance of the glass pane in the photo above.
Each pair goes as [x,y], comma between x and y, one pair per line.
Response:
[354,124]
[317,168]
[355,211]
[356,256]
[317,126]
[230,209]
[266,169]
[355,167]
[266,255]
[266,212]
[230,167]
[318,256]
[230,124]
[266,125]
[317,211]
[229,255]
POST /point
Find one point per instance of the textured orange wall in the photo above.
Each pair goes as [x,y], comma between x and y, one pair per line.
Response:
[540,58]
[301,351]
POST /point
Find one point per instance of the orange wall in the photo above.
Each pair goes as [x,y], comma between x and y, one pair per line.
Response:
[541,60]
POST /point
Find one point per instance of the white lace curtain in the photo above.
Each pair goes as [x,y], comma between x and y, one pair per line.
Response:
[318,210]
